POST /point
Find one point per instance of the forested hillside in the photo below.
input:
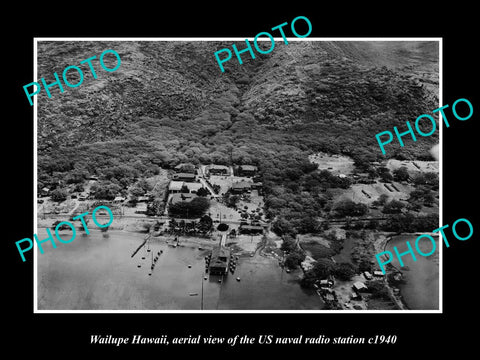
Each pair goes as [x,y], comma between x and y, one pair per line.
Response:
[169,103]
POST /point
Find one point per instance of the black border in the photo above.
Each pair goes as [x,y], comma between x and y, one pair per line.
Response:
[426,333]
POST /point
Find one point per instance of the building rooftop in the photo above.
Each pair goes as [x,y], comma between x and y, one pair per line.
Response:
[184,175]
[175,185]
[241,185]
[248,168]
[176,198]
[194,186]
[359,285]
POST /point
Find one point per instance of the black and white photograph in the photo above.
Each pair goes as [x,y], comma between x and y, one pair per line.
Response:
[294,180]
[260,187]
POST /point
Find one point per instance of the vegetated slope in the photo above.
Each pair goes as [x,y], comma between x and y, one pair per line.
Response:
[169,102]
[332,91]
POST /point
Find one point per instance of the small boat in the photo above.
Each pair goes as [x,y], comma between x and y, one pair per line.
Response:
[238,279]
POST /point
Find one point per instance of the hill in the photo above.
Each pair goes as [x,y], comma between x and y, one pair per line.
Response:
[169,103]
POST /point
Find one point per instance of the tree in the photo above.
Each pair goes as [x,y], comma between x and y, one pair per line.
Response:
[144,184]
[428,179]
[232,200]
[385,175]
[288,244]
[154,208]
[378,290]
[137,191]
[78,187]
[193,209]
[203,192]
[382,199]
[393,207]
[323,268]
[205,224]
[105,190]
[364,265]
[344,271]
[76,176]
[347,207]
[401,174]
[428,199]
[132,202]
[222,227]
[58,195]
[294,259]
[281,226]
[307,224]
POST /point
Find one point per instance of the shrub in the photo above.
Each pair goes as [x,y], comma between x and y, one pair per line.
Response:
[58,195]
[345,208]
[378,290]
[393,207]
[344,271]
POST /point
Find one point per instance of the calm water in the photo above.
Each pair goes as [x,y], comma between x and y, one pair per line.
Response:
[420,291]
[96,272]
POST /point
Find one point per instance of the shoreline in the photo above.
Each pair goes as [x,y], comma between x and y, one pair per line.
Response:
[242,245]
[399,299]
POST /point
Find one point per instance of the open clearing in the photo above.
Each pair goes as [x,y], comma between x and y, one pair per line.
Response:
[413,166]
[358,192]
[336,164]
